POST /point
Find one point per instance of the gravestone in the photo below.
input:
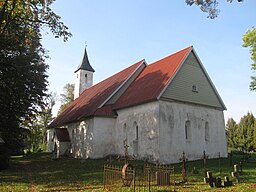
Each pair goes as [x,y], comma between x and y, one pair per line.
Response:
[227,182]
[235,173]
[209,179]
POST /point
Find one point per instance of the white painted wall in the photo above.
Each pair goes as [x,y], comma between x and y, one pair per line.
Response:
[173,116]
[80,134]
[147,118]
[92,138]
[84,80]
[63,148]
[103,143]
[160,136]
[50,142]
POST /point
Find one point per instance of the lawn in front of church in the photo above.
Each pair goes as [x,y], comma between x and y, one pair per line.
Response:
[38,172]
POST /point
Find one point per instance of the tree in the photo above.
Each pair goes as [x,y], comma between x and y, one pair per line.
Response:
[249,39]
[208,6]
[246,127]
[23,79]
[35,14]
[231,131]
[37,125]
[67,97]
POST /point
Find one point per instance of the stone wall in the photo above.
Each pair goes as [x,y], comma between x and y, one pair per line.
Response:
[138,128]
[205,131]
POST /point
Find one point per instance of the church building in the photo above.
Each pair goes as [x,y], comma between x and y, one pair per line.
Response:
[158,110]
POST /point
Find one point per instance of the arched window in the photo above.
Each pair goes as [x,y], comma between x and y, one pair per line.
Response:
[188,130]
[135,125]
[206,132]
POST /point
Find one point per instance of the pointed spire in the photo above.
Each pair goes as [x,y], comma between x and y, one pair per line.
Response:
[85,64]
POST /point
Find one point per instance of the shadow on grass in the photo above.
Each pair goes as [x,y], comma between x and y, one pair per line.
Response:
[67,174]
[54,175]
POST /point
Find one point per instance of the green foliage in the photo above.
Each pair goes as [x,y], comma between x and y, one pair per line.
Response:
[67,97]
[242,136]
[249,39]
[231,131]
[38,124]
[33,14]
[4,156]
[208,6]
[23,78]
[23,83]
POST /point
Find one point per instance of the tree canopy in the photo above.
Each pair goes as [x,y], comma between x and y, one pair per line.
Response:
[23,78]
[249,39]
[208,6]
[242,135]
[33,14]
[67,96]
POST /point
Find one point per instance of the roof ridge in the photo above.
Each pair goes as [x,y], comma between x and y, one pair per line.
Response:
[114,75]
[143,61]
[189,47]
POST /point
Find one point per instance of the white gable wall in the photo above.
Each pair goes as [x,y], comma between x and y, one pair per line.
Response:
[144,142]
[173,116]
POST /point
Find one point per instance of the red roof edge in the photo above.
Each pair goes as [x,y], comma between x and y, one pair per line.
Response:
[189,50]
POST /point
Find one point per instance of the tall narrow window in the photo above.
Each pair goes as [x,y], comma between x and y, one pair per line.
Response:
[136,139]
[85,78]
[135,125]
[188,130]
[125,134]
[206,132]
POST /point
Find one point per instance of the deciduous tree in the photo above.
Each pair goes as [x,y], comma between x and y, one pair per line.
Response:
[23,78]
[67,96]
[208,6]
[249,39]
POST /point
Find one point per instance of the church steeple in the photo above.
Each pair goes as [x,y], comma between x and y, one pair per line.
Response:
[84,76]
[85,64]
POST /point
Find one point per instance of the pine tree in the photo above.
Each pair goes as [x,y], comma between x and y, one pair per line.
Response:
[246,132]
[231,131]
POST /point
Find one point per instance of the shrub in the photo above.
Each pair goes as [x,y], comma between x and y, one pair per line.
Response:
[4,155]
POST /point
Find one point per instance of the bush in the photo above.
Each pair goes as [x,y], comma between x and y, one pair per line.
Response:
[4,156]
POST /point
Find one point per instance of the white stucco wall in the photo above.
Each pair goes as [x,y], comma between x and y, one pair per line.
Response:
[63,148]
[102,137]
[92,138]
[50,142]
[172,132]
[146,118]
[80,134]
[84,80]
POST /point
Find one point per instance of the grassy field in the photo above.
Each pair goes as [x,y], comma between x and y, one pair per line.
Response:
[38,172]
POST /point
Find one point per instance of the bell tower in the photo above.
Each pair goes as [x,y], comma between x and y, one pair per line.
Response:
[84,76]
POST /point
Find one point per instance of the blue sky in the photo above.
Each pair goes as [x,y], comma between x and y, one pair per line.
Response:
[119,33]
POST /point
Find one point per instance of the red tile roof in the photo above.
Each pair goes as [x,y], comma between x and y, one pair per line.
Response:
[88,102]
[146,87]
[153,79]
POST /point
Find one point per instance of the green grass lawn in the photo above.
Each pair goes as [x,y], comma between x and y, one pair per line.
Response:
[38,172]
